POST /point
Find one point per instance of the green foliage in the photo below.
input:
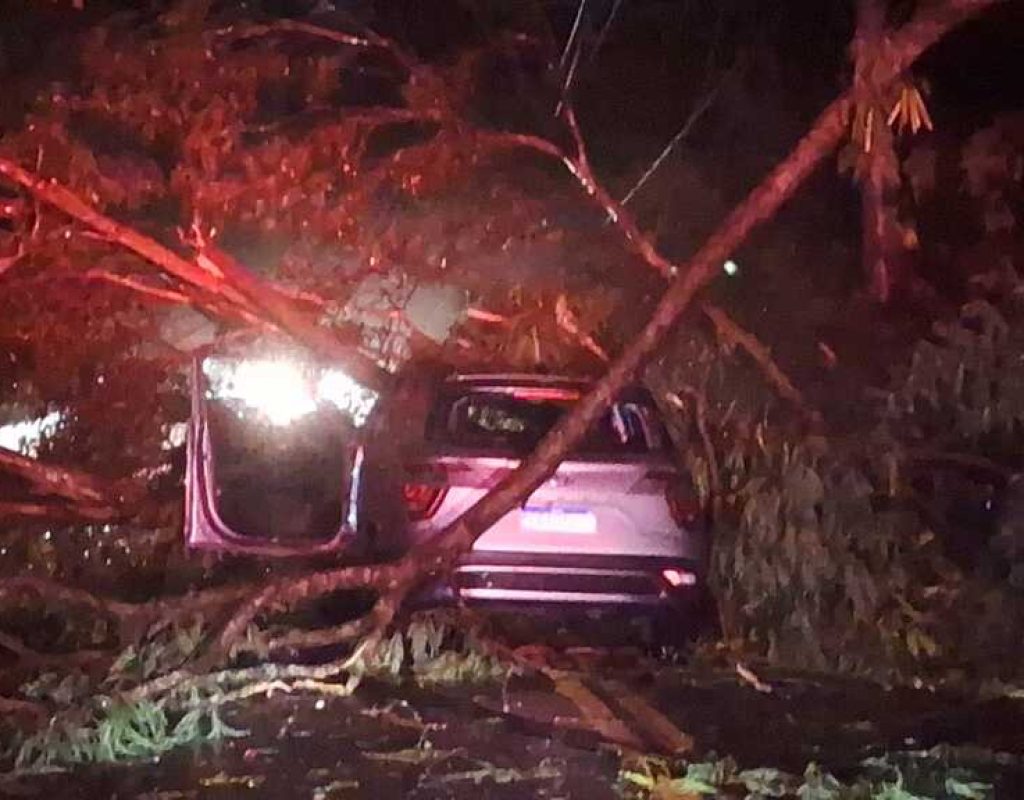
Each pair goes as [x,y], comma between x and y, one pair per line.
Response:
[433,649]
[163,650]
[93,726]
[824,554]
[813,565]
[962,388]
[815,561]
[926,776]
[121,732]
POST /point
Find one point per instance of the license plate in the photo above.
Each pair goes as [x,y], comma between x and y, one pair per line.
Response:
[558,520]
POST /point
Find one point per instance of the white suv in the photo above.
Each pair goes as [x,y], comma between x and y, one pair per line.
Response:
[617,525]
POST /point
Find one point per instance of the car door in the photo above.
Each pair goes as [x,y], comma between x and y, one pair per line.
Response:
[271,469]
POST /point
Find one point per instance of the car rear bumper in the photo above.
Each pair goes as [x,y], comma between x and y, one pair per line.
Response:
[485,577]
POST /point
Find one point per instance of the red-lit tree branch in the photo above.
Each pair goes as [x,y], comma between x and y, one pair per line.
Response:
[214,275]
[732,335]
[82,490]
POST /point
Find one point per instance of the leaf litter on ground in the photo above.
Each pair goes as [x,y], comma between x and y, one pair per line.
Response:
[924,775]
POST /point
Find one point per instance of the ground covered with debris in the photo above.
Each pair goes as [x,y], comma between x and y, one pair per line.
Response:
[590,723]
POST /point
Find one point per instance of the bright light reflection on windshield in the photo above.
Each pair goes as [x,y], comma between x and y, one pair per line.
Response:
[283,391]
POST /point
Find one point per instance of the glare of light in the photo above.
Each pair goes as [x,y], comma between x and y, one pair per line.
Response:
[284,391]
[730,268]
[176,434]
[277,389]
[339,389]
[24,436]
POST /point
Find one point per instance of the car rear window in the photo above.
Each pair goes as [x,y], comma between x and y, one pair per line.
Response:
[510,420]
[279,483]
[281,448]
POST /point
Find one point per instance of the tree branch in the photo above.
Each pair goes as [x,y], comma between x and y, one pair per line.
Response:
[50,511]
[73,485]
[700,417]
[905,46]
[253,297]
[139,286]
[780,184]
[734,336]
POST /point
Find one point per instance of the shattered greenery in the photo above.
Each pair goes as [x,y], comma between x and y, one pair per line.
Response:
[120,732]
[828,554]
[434,649]
[926,775]
[93,726]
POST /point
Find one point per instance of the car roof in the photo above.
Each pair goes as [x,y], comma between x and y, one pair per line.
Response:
[484,379]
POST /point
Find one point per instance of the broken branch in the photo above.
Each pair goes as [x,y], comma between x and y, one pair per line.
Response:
[733,335]
[250,294]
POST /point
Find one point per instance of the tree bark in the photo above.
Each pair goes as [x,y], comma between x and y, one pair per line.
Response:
[875,213]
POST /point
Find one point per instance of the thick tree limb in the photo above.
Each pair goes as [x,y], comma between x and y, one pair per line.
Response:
[256,299]
[734,336]
[33,658]
[762,203]
[42,587]
[902,49]
[73,485]
[52,511]
[181,681]
[133,618]
[286,314]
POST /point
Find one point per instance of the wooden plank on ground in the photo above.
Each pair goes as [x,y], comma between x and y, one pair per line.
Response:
[648,721]
[596,712]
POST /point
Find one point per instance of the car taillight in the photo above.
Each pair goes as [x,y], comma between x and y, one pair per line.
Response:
[422,501]
[679,577]
[423,493]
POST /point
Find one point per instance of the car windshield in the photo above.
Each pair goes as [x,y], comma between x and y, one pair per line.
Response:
[510,420]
